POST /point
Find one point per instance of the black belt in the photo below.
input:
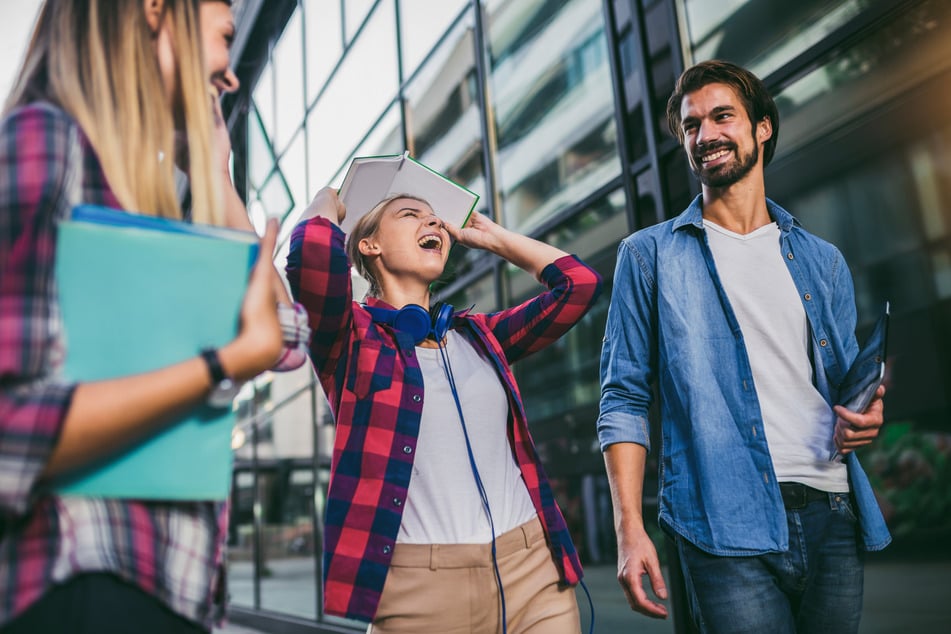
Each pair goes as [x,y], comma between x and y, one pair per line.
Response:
[796,495]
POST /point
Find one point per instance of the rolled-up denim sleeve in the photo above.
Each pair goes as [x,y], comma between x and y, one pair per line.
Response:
[629,351]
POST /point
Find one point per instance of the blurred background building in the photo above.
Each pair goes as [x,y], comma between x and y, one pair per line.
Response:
[553,111]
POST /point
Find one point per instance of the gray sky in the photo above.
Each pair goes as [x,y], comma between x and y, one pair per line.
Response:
[16,23]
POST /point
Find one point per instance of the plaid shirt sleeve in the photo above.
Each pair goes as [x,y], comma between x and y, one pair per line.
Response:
[296,335]
[319,276]
[527,328]
[34,145]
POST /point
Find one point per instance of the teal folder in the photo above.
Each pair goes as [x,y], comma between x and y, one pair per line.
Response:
[138,294]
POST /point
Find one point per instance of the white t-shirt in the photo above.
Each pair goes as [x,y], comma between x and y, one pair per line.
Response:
[798,422]
[443,504]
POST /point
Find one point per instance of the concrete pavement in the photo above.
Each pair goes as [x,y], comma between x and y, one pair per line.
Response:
[899,597]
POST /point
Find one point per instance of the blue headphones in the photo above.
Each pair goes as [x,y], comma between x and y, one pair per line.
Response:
[414,320]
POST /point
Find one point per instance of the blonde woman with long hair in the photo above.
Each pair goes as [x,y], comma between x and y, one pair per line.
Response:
[92,118]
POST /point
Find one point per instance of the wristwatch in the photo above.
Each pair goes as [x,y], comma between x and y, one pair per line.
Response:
[224,388]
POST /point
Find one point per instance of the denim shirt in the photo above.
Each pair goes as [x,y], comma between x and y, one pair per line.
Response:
[670,321]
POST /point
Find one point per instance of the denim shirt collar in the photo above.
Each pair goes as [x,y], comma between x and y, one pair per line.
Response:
[693,215]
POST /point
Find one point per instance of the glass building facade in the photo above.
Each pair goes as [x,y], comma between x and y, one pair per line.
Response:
[553,111]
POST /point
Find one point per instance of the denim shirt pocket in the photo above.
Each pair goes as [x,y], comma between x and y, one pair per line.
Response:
[372,369]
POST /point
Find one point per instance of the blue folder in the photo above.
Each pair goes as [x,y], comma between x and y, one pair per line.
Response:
[139,293]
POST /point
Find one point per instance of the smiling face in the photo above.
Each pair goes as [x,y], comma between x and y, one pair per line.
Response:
[410,246]
[722,144]
[217,35]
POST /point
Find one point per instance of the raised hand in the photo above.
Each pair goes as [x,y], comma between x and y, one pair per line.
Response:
[259,341]
[327,204]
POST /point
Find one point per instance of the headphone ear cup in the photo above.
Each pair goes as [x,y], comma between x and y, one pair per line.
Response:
[441,319]
[413,320]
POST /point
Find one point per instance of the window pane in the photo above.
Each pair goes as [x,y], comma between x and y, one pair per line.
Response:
[257,214]
[289,81]
[633,94]
[762,35]
[661,60]
[260,152]
[355,13]
[423,22]
[323,39]
[356,96]
[564,376]
[554,107]
[443,114]
[275,197]
[907,51]
[480,294]
[647,208]
[385,138]
[263,98]
[294,169]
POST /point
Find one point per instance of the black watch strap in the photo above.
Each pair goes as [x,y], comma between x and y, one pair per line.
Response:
[210,355]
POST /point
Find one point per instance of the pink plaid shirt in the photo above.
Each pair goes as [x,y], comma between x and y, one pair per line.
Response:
[173,551]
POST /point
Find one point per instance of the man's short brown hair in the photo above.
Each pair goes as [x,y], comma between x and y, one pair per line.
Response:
[748,87]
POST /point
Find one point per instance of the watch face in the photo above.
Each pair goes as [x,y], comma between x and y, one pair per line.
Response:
[223,394]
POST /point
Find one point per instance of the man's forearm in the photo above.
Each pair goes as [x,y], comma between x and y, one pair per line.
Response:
[625,462]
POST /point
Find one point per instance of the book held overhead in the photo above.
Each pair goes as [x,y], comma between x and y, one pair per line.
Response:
[370,179]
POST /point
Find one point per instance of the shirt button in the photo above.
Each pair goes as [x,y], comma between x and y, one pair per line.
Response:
[407,449]
[416,398]
[808,297]
[387,549]
[397,502]
[823,343]
[789,255]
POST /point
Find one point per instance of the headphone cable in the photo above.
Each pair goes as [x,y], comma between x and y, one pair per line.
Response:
[478,479]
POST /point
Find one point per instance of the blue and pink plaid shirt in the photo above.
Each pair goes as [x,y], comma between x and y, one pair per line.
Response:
[373,382]
[173,551]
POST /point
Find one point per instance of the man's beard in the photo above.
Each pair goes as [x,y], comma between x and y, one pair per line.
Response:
[729,173]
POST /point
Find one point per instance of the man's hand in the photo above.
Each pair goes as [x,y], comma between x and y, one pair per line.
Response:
[638,557]
[853,429]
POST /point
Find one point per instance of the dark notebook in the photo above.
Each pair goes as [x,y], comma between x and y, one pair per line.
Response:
[867,370]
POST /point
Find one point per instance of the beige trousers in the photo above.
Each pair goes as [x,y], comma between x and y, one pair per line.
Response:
[451,589]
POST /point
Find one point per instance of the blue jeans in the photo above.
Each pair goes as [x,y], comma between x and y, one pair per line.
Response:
[814,587]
